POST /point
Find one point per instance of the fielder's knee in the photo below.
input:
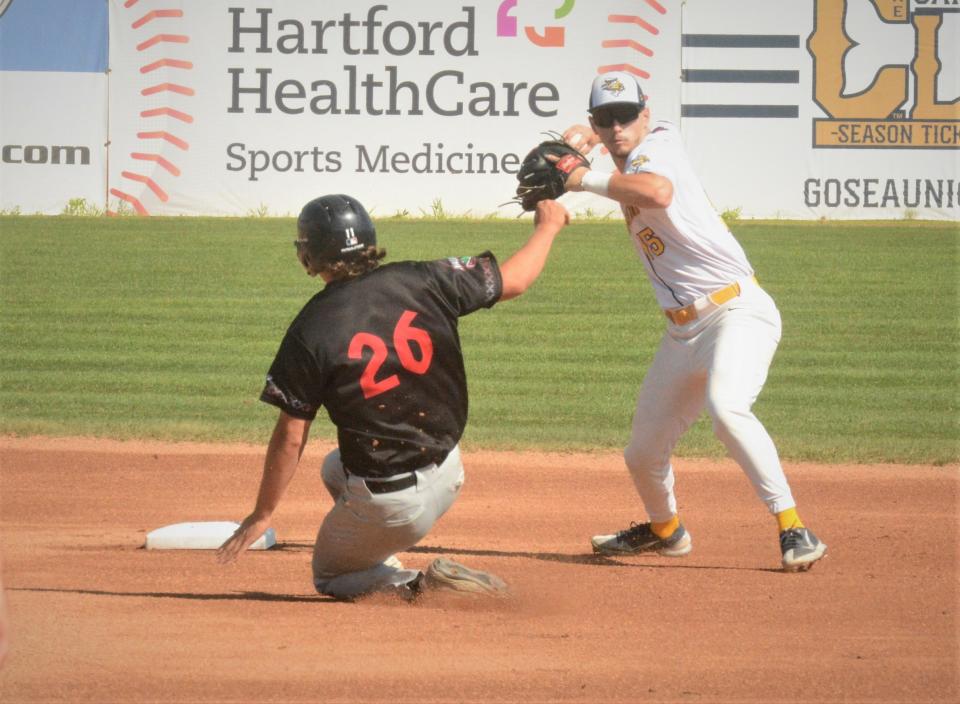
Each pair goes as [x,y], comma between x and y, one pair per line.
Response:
[727,418]
[640,459]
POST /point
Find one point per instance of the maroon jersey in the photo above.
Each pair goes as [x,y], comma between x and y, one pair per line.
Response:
[381,352]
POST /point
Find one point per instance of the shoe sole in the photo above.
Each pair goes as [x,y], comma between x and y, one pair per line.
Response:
[807,562]
[679,550]
[446,574]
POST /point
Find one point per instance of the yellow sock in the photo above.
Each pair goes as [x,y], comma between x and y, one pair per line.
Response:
[665,530]
[789,519]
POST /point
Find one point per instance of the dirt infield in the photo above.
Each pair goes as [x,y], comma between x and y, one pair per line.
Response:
[96,618]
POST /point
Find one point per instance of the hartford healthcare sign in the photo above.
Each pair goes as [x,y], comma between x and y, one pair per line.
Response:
[789,108]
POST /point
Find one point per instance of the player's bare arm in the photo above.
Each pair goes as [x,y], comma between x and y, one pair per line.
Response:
[620,131]
[645,190]
[283,455]
[522,269]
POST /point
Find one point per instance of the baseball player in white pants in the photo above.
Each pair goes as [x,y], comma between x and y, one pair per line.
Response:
[355,549]
[378,348]
[722,327]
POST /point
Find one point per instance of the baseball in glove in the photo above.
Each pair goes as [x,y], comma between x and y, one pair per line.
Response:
[544,171]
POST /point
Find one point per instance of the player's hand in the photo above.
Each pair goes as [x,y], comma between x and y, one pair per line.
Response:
[581,138]
[550,212]
[253,527]
[574,181]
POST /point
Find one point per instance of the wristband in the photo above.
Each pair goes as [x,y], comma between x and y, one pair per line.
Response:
[596,182]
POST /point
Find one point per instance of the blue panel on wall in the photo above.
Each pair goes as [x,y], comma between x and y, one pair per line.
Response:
[54,35]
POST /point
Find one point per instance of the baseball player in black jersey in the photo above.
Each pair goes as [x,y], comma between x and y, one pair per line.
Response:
[378,348]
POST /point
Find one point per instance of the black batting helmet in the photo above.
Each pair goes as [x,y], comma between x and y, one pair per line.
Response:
[335,228]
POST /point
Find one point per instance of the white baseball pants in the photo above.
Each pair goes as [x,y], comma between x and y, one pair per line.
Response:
[718,362]
[357,541]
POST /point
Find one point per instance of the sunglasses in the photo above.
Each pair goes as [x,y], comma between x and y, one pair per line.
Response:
[623,114]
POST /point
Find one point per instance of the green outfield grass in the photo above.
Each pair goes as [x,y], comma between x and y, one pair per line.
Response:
[164,328]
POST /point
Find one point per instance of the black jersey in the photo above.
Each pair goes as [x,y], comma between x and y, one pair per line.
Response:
[381,352]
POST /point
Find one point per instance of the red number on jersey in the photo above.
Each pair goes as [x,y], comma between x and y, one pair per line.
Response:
[403,334]
[368,380]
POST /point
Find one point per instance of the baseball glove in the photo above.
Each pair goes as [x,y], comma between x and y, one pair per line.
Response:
[544,171]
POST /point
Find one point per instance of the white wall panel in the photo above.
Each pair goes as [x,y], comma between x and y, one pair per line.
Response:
[415,104]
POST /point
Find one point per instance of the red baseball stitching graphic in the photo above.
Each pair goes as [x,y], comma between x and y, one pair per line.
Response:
[154,15]
[137,205]
[633,44]
[634,20]
[153,41]
[159,160]
[161,194]
[172,63]
[629,68]
[172,87]
[619,21]
[182,116]
[173,139]
[163,132]
[629,43]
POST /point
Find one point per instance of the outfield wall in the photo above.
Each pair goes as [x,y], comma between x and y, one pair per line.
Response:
[844,109]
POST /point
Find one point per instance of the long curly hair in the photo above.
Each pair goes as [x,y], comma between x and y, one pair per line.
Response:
[361,263]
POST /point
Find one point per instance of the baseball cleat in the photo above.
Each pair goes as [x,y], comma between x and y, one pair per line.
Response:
[639,537]
[800,549]
[412,590]
[452,576]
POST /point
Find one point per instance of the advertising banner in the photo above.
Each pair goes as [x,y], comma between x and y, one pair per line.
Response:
[53,104]
[839,109]
[411,106]
[825,108]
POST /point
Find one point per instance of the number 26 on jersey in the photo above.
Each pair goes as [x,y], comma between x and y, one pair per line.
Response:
[403,334]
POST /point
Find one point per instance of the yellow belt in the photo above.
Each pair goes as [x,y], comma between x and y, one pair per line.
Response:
[687,314]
